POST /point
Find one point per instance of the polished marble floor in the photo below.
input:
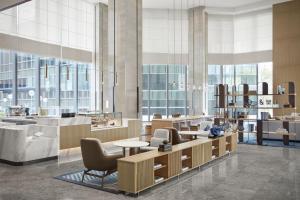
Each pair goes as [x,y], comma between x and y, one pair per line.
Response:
[254,172]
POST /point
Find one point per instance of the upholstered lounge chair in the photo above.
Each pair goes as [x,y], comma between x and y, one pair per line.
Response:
[95,158]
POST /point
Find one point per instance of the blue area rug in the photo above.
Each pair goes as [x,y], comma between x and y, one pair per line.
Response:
[110,182]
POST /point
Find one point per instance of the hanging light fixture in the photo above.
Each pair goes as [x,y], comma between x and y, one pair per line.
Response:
[86,74]
[68,72]
[46,70]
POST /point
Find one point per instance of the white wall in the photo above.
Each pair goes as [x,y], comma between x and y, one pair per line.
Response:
[69,23]
[161,26]
[240,38]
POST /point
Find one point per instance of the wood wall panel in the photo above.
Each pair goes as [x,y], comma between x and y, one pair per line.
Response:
[286,46]
[70,136]
[145,174]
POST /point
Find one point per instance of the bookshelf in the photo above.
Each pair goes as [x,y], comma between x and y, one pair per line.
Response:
[239,105]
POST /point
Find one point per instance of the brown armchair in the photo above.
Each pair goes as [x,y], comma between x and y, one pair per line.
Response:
[175,137]
[95,158]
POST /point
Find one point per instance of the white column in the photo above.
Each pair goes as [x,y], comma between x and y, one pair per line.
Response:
[197,61]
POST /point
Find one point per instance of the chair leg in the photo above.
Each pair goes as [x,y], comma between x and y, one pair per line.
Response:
[84,172]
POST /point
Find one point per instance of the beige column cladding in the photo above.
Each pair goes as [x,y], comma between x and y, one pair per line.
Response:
[128,57]
[197,68]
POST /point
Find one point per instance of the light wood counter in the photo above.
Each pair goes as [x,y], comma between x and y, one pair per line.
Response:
[175,122]
[138,172]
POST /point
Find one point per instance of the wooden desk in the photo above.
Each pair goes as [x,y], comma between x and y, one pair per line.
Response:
[138,172]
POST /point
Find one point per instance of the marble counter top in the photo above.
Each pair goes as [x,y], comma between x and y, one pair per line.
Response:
[48,121]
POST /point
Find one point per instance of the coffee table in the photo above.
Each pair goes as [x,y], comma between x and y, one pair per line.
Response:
[130,145]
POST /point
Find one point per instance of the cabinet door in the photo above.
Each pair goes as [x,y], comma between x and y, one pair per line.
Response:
[222,146]
[233,142]
[145,174]
[175,164]
[207,152]
[198,155]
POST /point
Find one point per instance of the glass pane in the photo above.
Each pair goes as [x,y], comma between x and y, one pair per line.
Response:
[84,87]
[214,78]
[49,78]
[67,87]
[6,79]
[27,81]
[177,92]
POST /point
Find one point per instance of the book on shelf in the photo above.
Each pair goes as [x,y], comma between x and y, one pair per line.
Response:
[185,169]
[157,166]
[158,179]
[184,157]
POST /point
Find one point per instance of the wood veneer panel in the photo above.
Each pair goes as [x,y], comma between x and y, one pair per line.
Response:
[145,174]
[127,174]
[286,47]
[70,136]
[222,146]
[198,155]
[207,152]
[175,164]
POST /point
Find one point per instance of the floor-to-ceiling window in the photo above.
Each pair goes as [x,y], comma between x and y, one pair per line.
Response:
[27,65]
[68,87]
[7,60]
[251,74]
[50,84]
[164,90]
[84,87]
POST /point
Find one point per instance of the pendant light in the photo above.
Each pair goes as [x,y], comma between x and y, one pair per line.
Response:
[68,73]
[46,71]
[86,74]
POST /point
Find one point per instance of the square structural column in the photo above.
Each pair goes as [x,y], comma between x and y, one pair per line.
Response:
[197,69]
[128,57]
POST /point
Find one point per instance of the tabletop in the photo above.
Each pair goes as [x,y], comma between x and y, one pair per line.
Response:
[130,144]
[193,132]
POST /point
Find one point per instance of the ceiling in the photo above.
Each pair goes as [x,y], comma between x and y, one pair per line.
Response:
[226,4]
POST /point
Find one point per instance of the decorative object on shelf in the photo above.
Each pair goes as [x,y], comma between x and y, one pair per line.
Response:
[268,102]
[261,102]
[280,89]
[265,115]
[265,88]
[216,131]
[166,146]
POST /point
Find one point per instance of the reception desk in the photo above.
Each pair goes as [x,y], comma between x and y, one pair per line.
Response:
[25,140]
[139,172]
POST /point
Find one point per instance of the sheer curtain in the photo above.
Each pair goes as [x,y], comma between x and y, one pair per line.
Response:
[242,33]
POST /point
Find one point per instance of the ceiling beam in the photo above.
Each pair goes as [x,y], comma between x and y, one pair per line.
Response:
[6,4]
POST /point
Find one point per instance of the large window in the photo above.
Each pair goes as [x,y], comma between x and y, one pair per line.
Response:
[51,84]
[7,60]
[164,90]
[251,74]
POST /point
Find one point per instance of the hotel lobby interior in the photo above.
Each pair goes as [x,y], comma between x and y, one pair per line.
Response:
[149,99]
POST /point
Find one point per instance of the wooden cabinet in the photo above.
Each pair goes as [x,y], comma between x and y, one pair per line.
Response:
[141,171]
[135,177]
